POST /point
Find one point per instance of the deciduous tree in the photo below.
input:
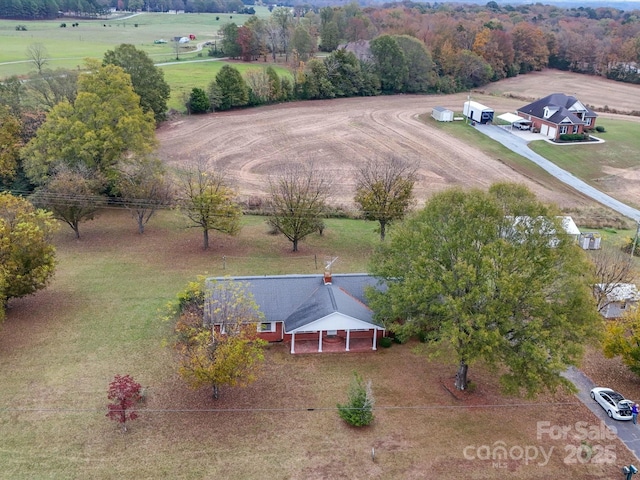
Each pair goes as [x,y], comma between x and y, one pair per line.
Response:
[485,276]
[611,266]
[147,79]
[329,36]
[51,87]
[27,256]
[38,55]
[384,190]
[530,47]
[72,194]
[230,354]
[124,393]
[420,67]
[297,202]
[143,187]
[391,65]
[102,126]
[229,45]
[302,43]
[10,144]
[283,19]
[622,339]
[208,202]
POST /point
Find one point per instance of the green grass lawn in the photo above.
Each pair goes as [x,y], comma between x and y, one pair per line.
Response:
[183,77]
[102,315]
[620,150]
[67,47]
[498,151]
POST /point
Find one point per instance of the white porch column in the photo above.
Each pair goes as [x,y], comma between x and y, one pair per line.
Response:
[375,338]
[320,341]
[348,335]
[293,342]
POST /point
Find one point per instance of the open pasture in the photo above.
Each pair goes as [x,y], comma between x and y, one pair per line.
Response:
[67,47]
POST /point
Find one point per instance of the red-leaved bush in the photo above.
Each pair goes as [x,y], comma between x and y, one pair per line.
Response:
[124,392]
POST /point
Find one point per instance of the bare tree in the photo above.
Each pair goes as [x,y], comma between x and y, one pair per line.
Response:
[207,200]
[298,202]
[384,190]
[38,54]
[611,266]
[53,86]
[72,194]
[143,188]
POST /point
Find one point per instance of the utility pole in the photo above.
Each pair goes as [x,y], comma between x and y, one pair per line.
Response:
[635,239]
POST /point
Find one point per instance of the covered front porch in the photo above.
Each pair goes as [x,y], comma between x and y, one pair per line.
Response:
[339,346]
[335,341]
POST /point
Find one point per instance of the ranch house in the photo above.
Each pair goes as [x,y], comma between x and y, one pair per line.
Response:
[558,114]
[312,313]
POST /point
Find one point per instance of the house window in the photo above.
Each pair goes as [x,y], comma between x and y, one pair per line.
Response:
[588,120]
[575,129]
[563,129]
[266,327]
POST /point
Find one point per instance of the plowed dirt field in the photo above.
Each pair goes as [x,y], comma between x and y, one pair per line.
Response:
[338,135]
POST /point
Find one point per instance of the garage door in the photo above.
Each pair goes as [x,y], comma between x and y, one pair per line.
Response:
[544,129]
[552,132]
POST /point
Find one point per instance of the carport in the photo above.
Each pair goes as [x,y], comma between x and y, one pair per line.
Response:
[513,119]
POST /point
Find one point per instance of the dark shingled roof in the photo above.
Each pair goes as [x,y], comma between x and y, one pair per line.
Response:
[562,103]
[302,299]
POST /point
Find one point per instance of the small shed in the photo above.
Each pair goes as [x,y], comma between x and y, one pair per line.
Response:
[442,114]
[590,241]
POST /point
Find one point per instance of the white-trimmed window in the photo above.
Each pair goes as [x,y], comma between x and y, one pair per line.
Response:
[575,129]
[266,327]
[588,120]
[563,129]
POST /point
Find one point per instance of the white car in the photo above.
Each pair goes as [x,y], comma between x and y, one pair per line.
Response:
[616,406]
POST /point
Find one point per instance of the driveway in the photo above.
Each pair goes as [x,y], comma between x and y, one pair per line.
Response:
[627,432]
[518,144]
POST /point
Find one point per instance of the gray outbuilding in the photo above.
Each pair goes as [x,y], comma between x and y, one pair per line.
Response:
[442,114]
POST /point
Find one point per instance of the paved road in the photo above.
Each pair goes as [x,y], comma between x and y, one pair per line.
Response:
[519,145]
[627,431]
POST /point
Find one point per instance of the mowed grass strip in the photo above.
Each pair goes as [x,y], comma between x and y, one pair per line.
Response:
[518,163]
[620,150]
[101,316]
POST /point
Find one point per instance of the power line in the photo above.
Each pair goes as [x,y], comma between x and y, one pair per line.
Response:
[295,409]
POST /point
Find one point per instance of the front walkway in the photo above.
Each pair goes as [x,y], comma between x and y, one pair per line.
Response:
[334,345]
